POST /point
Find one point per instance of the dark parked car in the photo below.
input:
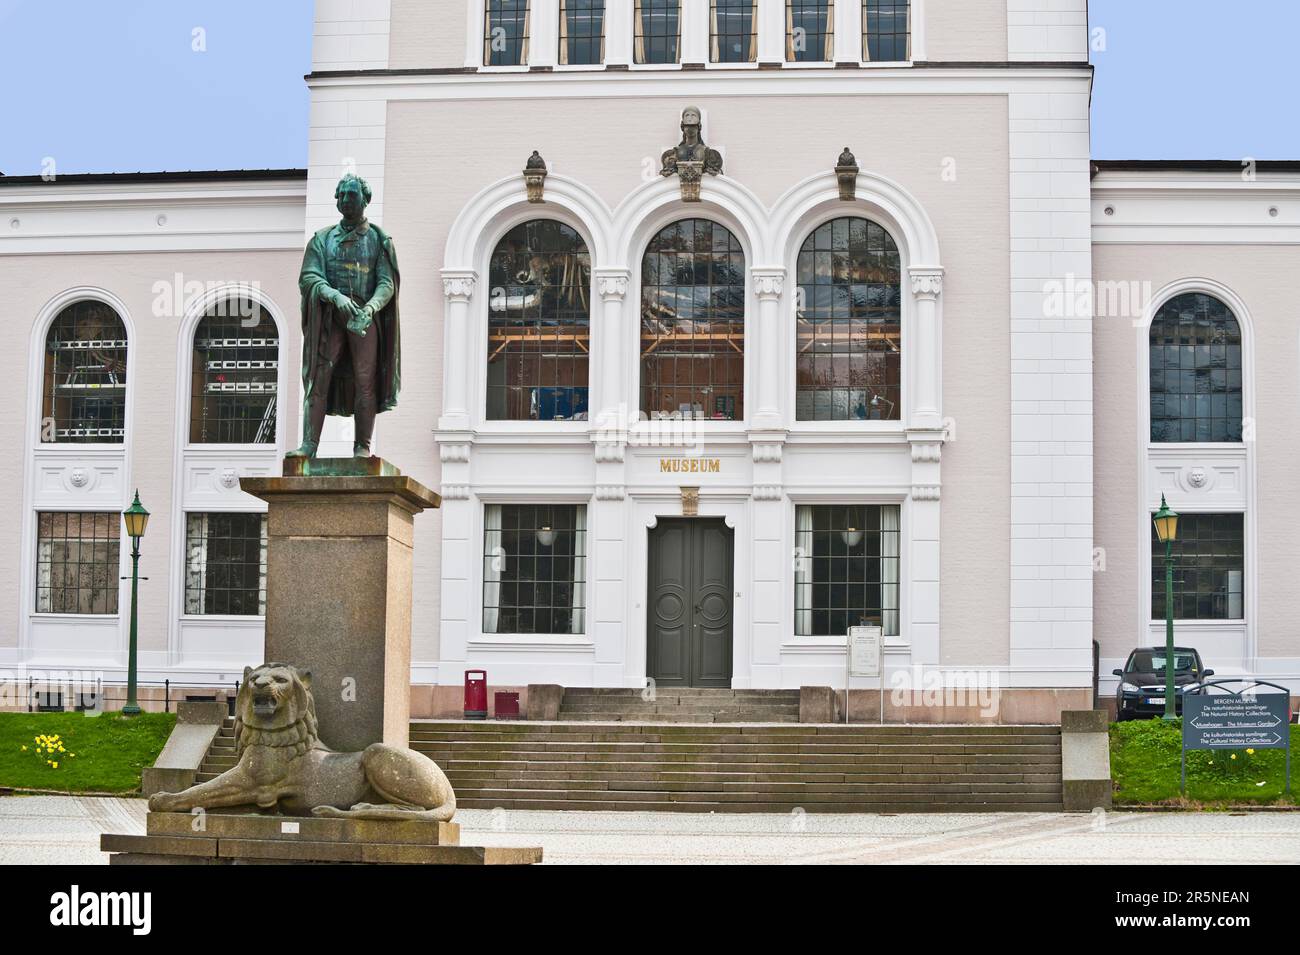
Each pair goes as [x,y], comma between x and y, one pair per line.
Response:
[1141,690]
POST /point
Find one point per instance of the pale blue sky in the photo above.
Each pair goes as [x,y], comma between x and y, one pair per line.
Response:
[115,85]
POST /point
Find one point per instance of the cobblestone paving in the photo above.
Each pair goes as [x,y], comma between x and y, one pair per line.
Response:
[65,829]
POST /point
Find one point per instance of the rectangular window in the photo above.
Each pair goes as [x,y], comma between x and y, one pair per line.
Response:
[1209,568]
[656,31]
[534,568]
[809,31]
[505,41]
[846,568]
[225,564]
[733,31]
[886,31]
[77,561]
[582,32]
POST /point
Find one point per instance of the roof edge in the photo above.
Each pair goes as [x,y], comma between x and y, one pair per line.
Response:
[191,175]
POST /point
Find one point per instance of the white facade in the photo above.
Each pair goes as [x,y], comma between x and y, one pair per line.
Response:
[1018,458]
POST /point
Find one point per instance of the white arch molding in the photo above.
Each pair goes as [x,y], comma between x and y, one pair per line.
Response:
[1151,453]
[233,456]
[116,456]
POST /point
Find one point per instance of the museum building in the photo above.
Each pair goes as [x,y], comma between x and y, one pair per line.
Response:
[727,325]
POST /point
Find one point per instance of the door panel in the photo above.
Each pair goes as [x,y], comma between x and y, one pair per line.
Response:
[690,603]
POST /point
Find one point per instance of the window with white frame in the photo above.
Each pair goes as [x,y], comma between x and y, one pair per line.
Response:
[733,31]
[233,375]
[1196,371]
[886,30]
[225,564]
[83,395]
[1209,568]
[582,32]
[848,319]
[539,324]
[846,568]
[809,31]
[77,561]
[657,31]
[505,34]
[534,568]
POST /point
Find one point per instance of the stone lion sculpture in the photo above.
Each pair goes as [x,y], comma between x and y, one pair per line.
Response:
[282,763]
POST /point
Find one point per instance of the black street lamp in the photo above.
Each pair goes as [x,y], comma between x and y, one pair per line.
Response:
[136,519]
[1166,522]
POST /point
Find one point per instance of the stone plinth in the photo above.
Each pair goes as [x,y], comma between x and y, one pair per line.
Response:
[338,595]
[215,838]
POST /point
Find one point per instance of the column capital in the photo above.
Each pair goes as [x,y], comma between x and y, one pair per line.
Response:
[769,283]
[927,282]
[612,284]
[458,284]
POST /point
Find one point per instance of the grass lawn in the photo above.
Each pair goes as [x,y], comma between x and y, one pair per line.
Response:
[110,750]
[1144,763]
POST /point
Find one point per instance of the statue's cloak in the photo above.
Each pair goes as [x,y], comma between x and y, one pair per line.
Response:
[315,313]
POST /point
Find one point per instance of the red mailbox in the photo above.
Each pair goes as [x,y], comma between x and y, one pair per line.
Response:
[476,694]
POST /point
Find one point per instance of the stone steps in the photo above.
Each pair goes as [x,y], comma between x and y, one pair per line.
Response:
[680,705]
[747,768]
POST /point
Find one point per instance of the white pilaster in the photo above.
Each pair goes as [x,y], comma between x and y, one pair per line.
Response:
[848,31]
[771,31]
[618,32]
[765,337]
[695,31]
[611,285]
[458,288]
[927,285]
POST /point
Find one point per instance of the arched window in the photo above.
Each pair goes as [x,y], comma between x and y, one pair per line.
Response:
[693,323]
[83,398]
[1195,371]
[539,324]
[233,375]
[849,324]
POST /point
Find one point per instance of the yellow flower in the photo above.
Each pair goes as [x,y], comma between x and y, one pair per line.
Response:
[1250,752]
[24,749]
[55,765]
[1234,755]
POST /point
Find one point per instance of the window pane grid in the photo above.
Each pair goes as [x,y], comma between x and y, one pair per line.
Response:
[1196,371]
[234,376]
[848,568]
[849,321]
[539,325]
[886,30]
[505,40]
[693,323]
[1209,568]
[810,31]
[656,31]
[733,31]
[533,568]
[225,568]
[84,394]
[77,562]
[582,32]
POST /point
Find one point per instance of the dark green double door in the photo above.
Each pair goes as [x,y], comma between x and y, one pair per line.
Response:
[690,603]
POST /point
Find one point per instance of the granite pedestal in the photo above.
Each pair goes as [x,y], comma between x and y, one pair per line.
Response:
[338,590]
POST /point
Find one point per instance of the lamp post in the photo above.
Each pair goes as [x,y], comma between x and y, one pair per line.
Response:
[136,518]
[1166,522]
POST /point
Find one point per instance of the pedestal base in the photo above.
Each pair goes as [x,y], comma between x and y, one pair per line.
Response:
[235,839]
[338,595]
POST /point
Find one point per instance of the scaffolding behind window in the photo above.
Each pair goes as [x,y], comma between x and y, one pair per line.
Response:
[233,375]
[83,398]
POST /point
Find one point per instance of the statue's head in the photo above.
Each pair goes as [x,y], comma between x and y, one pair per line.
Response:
[275,695]
[352,195]
[690,117]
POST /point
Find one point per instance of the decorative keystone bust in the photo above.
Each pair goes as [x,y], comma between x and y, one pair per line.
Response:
[351,347]
[690,159]
[284,765]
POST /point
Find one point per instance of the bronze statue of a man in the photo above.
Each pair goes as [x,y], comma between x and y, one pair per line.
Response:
[351,346]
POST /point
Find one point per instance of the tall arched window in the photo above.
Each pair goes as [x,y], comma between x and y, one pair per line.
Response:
[1195,369]
[233,375]
[693,323]
[539,324]
[83,397]
[849,324]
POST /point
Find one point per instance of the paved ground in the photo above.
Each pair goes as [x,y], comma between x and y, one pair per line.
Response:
[62,829]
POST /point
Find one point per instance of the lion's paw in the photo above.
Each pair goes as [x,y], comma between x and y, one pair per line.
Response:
[328,811]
